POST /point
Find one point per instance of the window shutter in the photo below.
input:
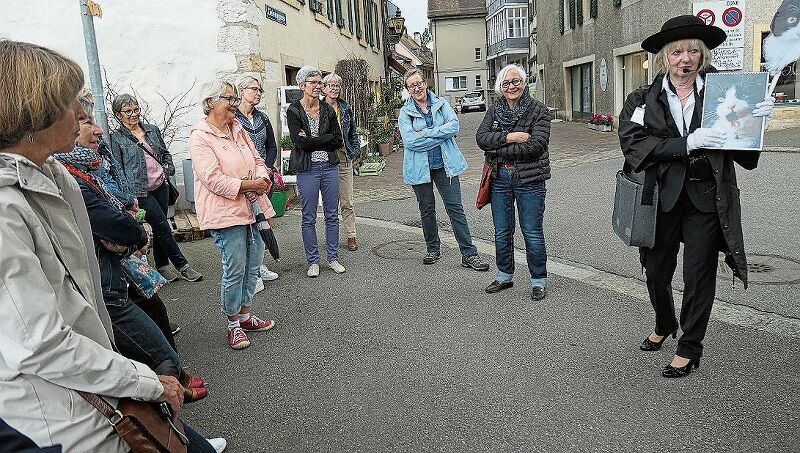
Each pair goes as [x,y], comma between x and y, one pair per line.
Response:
[561,15]
[357,15]
[350,14]
[579,12]
[593,9]
[378,27]
[571,13]
[339,14]
[331,11]
[368,22]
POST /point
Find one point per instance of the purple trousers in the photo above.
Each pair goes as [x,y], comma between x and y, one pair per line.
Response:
[321,177]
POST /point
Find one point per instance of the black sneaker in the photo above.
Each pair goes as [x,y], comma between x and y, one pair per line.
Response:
[174,328]
[474,262]
[538,293]
[431,257]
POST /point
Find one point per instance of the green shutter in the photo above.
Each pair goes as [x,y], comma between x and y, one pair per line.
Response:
[339,14]
[331,11]
[571,14]
[593,9]
[378,27]
[350,14]
[368,21]
[579,12]
[357,15]
[561,15]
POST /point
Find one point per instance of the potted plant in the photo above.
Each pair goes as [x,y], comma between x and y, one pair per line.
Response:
[601,122]
[286,143]
[382,137]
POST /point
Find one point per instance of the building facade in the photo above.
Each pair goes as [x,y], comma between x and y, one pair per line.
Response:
[507,34]
[458,29]
[589,54]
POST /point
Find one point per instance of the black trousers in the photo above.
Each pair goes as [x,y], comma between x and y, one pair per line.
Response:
[702,238]
[165,248]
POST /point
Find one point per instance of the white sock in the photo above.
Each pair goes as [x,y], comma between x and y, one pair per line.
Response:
[233,324]
[244,317]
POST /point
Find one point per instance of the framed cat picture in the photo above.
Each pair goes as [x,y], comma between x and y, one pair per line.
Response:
[728,106]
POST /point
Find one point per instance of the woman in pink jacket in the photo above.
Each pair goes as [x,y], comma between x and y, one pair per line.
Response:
[229,174]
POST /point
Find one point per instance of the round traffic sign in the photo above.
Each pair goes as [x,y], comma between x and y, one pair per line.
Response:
[732,16]
[707,15]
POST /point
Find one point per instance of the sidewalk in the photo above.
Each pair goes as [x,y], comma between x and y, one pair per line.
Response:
[397,356]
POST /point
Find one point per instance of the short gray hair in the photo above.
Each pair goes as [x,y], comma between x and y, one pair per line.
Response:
[86,99]
[121,101]
[410,73]
[502,75]
[332,77]
[213,90]
[305,72]
[246,79]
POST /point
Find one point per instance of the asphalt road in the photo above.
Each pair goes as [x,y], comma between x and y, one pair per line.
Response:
[394,356]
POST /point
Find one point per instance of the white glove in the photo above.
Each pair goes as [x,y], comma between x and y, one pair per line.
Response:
[705,137]
[765,109]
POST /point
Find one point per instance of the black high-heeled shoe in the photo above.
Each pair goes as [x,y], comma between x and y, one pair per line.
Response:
[650,345]
[670,371]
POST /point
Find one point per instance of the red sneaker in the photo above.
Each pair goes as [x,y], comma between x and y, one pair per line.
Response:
[237,338]
[257,325]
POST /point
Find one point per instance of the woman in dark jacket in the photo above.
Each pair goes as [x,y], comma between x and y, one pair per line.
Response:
[147,164]
[659,132]
[317,138]
[514,135]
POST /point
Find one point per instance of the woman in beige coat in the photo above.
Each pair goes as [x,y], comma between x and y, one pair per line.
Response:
[55,334]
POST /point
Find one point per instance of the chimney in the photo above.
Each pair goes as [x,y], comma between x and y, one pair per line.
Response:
[418,37]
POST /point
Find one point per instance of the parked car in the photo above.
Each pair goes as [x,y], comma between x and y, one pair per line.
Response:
[473,101]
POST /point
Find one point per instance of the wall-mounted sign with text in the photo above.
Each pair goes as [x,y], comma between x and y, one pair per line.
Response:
[729,16]
[276,15]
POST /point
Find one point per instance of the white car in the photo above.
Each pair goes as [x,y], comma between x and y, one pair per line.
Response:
[473,101]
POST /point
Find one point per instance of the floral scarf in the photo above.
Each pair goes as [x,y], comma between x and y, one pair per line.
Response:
[507,117]
[81,162]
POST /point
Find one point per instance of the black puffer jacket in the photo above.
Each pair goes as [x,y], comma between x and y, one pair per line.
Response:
[329,139]
[531,158]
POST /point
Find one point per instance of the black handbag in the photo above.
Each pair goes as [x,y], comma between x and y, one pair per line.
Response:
[173,193]
[635,207]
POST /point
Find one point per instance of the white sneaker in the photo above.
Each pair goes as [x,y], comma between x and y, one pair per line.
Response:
[259,285]
[267,274]
[219,444]
[338,268]
[313,270]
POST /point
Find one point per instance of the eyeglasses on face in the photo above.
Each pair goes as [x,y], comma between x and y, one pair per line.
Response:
[131,112]
[233,101]
[314,82]
[507,83]
[416,85]
[334,86]
[256,89]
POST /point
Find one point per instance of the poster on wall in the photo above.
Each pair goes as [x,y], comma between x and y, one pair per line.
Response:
[728,107]
[729,15]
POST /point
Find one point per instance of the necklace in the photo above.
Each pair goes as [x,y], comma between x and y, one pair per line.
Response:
[685,97]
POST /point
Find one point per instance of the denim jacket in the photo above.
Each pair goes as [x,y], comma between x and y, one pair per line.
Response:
[130,154]
[110,172]
[351,142]
[418,139]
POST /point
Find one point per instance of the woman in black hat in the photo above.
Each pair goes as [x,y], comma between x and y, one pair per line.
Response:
[659,131]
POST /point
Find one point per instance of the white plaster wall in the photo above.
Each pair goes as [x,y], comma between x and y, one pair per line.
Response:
[152,46]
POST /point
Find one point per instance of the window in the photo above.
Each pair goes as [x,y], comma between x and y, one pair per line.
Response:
[517,23]
[378,28]
[478,82]
[455,83]
[477,54]
[581,90]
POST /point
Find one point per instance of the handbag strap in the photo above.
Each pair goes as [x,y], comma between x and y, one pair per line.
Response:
[648,188]
[113,415]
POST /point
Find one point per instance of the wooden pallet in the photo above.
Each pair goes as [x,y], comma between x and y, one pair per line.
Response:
[185,227]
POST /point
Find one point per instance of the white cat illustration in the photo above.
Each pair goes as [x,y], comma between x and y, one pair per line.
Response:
[734,117]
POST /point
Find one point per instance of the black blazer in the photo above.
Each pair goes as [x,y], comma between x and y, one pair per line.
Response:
[329,139]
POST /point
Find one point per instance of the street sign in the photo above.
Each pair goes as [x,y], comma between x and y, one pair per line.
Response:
[729,16]
[276,15]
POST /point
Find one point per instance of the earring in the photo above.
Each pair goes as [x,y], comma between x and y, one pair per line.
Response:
[30,138]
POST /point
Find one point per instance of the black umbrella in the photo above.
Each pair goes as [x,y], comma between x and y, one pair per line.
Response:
[266,232]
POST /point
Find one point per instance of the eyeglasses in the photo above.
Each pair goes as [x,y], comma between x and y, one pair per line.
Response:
[233,101]
[334,86]
[313,82]
[507,83]
[416,85]
[131,112]
[256,89]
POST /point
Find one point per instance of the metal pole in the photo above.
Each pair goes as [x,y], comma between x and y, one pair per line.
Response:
[95,78]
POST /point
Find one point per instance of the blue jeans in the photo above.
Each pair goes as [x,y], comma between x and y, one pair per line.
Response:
[506,189]
[321,177]
[242,251]
[165,248]
[138,338]
[197,443]
[450,191]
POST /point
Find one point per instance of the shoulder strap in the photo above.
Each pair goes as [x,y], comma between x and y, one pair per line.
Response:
[101,405]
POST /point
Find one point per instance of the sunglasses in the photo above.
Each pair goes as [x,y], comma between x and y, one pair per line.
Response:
[233,101]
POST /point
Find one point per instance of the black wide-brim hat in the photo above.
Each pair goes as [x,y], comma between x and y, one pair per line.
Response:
[684,27]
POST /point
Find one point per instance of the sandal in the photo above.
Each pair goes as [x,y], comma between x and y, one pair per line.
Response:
[194,382]
[190,395]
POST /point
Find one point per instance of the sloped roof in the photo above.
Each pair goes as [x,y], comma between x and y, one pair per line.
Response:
[438,9]
[425,55]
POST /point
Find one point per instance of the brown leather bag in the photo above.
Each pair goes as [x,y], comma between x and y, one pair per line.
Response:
[485,189]
[145,427]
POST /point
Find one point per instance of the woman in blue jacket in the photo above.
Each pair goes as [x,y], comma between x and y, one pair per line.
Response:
[428,126]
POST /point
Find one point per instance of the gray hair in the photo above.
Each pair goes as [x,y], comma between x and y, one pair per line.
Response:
[246,79]
[86,99]
[305,72]
[213,90]
[410,73]
[502,75]
[121,101]
[332,77]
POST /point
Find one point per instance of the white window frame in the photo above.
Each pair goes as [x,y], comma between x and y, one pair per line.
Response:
[455,83]
[478,81]
[517,22]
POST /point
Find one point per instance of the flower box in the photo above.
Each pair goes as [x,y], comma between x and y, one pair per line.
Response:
[601,123]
